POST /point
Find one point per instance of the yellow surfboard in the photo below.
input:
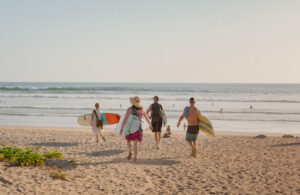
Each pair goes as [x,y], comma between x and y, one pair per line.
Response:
[206,126]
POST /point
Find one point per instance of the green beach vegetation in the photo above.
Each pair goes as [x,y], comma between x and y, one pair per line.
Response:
[28,157]
[53,155]
[59,175]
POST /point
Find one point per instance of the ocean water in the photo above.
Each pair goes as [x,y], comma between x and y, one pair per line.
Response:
[241,108]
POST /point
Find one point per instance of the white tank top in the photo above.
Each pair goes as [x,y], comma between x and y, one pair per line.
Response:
[99,116]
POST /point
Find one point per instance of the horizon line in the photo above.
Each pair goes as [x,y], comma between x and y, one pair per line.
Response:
[146,82]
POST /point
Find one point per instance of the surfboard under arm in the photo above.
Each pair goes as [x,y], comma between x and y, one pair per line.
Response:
[206,126]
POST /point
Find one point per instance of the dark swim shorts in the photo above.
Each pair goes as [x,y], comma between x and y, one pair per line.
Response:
[192,133]
[157,125]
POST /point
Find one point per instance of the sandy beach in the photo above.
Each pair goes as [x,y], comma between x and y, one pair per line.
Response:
[227,164]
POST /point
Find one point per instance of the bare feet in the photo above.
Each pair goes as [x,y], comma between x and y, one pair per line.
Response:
[97,140]
[103,138]
[135,160]
[194,153]
[129,156]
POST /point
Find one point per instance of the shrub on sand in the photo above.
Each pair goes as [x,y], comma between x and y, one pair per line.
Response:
[27,158]
[1,157]
[9,152]
[17,156]
[59,175]
[53,155]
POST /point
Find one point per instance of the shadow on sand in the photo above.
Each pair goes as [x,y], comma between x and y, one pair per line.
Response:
[55,144]
[290,144]
[106,153]
[4,181]
[158,162]
[63,164]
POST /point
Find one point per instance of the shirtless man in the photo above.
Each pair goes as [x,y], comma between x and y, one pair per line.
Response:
[191,113]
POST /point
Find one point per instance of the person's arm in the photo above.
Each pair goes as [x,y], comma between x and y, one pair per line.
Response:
[148,120]
[181,118]
[149,109]
[128,113]
[92,118]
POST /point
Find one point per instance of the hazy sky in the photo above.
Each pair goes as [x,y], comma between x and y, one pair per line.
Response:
[150,40]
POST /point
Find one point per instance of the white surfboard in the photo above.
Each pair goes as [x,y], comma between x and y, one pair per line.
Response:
[118,128]
[85,120]
[164,118]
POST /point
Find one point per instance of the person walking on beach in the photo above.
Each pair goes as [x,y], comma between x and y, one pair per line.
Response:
[156,119]
[96,123]
[191,114]
[136,137]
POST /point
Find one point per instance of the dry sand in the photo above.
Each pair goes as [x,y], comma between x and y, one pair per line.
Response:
[227,164]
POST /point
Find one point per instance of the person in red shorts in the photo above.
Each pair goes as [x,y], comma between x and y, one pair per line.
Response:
[138,110]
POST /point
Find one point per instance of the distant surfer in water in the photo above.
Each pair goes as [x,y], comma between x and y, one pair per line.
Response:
[96,123]
[156,119]
[192,116]
[137,110]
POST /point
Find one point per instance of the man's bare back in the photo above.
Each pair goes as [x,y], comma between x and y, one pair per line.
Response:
[193,116]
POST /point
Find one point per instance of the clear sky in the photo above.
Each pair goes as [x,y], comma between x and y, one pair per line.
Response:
[150,41]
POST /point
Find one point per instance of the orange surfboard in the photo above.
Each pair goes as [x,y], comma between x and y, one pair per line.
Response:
[107,119]
[110,118]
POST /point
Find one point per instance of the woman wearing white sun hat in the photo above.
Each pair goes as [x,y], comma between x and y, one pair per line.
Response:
[137,110]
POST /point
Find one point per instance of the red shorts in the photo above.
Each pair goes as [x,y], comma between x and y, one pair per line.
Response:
[135,136]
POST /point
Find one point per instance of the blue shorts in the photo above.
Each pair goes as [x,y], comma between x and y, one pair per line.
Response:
[191,137]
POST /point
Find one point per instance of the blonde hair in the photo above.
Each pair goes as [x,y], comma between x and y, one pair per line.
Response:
[97,105]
